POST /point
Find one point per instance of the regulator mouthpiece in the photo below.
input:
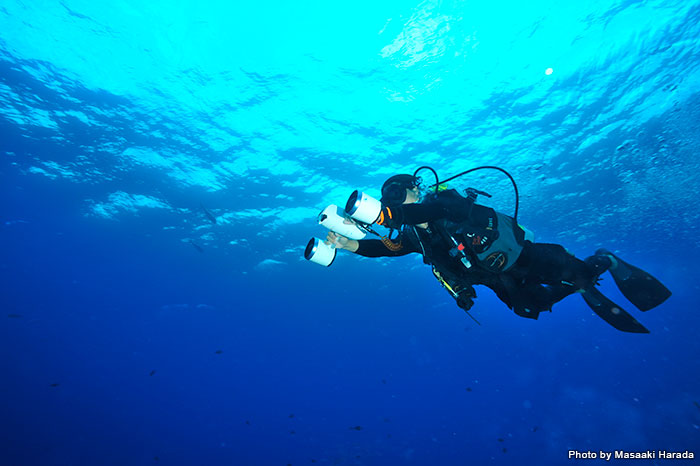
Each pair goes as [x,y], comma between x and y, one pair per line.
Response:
[363,208]
[333,218]
[319,252]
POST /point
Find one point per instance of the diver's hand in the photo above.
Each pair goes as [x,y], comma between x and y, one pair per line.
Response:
[465,298]
[341,242]
[465,302]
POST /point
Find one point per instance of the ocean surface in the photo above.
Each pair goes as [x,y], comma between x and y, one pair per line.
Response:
[162,166]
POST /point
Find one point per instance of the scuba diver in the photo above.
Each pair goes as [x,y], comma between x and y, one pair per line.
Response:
[469,244]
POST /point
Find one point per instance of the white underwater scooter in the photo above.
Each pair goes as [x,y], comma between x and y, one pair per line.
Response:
[360,210]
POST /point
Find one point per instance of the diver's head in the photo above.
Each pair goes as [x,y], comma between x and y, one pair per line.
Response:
[400,189]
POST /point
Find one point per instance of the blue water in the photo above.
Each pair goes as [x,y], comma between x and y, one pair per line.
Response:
[134,331]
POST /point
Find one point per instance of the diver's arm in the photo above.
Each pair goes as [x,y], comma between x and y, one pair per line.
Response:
[377,248]
[341,242]
[448,205]
[453,208]
[368,247]
[413,214]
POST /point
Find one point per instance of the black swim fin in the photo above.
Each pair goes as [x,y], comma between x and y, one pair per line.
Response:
[638,286]
[611,312]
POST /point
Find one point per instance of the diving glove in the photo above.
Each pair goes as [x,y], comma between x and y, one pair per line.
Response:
[464,298]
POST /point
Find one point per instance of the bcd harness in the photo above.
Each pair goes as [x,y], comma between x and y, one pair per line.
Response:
[493,245]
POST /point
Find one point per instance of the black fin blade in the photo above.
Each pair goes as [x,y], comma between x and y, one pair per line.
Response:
[641,288]
[611,312]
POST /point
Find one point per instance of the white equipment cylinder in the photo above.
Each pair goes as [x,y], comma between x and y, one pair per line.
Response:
[319,252]
[333,218]
[363,208]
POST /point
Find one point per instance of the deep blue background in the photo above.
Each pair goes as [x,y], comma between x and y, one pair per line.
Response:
[122,344]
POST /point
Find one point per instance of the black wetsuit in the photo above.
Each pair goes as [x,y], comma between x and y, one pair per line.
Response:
[542,275]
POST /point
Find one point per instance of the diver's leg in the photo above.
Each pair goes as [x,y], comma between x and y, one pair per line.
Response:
[599,263]
[553,265]
[529,300]
[550,264]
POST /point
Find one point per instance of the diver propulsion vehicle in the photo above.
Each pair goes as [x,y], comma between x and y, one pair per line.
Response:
[363,207]
[361,211]
[337,220]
